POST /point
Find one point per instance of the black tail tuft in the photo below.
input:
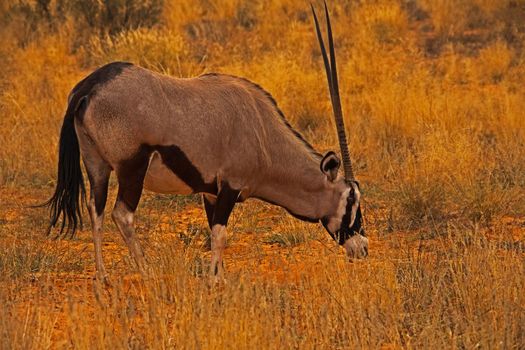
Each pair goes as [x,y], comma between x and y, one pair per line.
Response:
[70,192]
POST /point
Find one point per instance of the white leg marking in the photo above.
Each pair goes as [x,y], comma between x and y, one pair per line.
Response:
[123,218]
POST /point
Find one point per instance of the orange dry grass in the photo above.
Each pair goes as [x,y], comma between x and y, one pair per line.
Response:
[434,99]
[463,288]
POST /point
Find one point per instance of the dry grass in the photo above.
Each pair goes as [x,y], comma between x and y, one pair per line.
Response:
[434,99]
[461,288]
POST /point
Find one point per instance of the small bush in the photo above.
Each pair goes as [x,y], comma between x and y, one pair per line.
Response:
[286,239]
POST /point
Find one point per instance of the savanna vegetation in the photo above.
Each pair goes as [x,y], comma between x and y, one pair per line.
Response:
[434,99]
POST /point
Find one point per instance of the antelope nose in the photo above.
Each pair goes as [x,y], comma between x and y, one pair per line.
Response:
[356,247]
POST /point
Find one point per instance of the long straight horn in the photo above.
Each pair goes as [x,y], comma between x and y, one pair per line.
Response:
[333,85]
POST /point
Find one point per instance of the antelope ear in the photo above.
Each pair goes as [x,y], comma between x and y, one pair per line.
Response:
[330,165]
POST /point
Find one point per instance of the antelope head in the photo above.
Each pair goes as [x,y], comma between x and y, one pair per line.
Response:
[346,226]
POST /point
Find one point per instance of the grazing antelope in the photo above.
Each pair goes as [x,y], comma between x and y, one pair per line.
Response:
[219,135]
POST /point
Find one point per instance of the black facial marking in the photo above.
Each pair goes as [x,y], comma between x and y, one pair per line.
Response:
[345,230]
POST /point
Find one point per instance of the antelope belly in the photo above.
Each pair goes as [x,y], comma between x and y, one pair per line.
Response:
[159,178]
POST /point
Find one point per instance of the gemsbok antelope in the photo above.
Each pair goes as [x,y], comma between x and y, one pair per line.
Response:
[216,134]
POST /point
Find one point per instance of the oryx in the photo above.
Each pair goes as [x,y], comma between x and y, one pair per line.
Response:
[219,135]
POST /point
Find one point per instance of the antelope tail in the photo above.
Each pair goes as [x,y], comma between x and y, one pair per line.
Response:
[70,192]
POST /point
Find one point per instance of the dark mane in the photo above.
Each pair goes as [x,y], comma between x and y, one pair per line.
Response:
[275,105]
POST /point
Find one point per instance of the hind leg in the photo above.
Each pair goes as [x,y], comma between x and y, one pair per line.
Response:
[130,180]
[98,174]
[96,211]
